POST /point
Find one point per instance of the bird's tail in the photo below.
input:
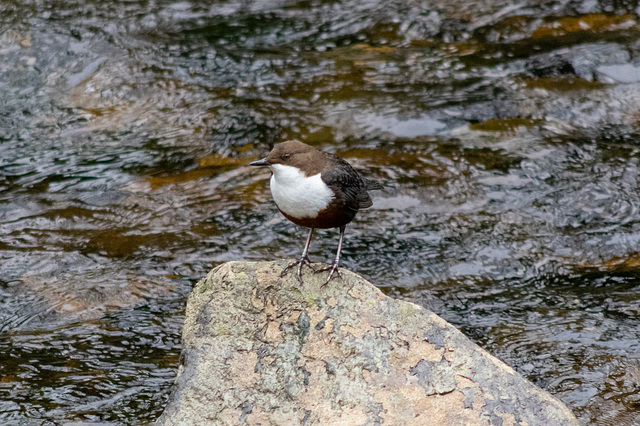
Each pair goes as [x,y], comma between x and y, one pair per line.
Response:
[371,185]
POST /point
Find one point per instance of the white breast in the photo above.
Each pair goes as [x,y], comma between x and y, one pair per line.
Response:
[298,195]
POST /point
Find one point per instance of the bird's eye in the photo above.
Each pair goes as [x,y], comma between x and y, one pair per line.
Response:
[286,156]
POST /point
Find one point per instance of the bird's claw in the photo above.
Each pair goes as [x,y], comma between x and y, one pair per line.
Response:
[302,261]
[333,268]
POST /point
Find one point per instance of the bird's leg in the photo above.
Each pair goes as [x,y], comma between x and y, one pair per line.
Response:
[304,260]
[333,268]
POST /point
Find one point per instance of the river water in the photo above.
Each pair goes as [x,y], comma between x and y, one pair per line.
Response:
[506,136]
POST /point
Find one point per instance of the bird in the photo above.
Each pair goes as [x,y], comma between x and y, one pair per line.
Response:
[316,190]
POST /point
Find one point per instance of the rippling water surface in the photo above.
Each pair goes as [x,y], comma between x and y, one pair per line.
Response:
[506,138]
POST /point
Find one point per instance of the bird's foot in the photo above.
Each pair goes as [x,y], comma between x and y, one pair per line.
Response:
[304,260]
[333,268]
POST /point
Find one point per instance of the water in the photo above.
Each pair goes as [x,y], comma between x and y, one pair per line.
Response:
[505,136]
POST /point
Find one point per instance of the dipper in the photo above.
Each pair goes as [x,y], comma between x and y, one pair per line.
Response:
[315,189]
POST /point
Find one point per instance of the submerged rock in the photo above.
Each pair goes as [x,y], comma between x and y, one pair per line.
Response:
[261,349]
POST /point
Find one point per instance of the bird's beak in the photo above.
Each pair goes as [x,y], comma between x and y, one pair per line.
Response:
[262,162]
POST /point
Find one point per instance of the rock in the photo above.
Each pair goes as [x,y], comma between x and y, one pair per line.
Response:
[261,349]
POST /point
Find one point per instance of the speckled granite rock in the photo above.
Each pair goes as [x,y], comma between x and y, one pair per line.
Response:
[260,349]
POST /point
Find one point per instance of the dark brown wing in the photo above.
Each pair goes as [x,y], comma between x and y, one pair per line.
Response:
[344,179]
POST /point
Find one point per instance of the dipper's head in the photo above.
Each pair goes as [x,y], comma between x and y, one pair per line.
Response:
[303,157]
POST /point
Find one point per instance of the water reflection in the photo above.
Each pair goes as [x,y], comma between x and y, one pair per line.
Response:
[505,136]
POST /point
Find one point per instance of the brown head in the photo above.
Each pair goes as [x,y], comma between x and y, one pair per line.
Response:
[297,154]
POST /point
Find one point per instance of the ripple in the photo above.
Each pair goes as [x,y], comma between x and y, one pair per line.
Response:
[506,143]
